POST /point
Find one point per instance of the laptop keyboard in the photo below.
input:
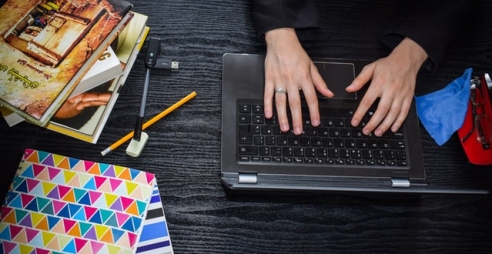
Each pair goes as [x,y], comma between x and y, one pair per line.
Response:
[334,142]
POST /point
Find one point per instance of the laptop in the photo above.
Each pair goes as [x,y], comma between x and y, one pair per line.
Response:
[256,155]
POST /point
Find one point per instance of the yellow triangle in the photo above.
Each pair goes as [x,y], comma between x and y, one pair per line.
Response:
[130,186]
[36,218]
[69,175]
[100,230]
[113,249]
[47,237]
[25,249]
[118,169]
[64,240]
[48,187]
[110,198]
[58,159]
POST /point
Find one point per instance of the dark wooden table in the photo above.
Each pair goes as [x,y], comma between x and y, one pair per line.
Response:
[184,148]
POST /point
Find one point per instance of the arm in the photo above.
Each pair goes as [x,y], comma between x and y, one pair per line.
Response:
[283,24]
[419,39]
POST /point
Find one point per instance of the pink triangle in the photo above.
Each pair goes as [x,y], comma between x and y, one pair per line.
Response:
[9,247]
[89,211]
[14,231]
[96,247]
[57,205]
[30,233]
[4,211]
[121,218]
[94,196]
[99,181]
[150,177]
[26,199]
[68,224]
[114,183]
[28,152]
[31,184]
[53,172]
[63,190]
[132,239]
[37,169]
[42,251]
[88,165]
[80,243]
[126,202]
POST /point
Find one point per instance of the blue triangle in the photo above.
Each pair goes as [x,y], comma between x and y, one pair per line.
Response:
[16,203]
[22,187]
[17,181]
[5,234]
[52,221]
[10,197]
[103,167]
[128,226]
[70,247]
[85,200]
[33,206]
[74,208]
[64,212]
[96,218]
[134,173]
[136,222]
[28,172]
[90,185]
[73,162]
[79,193]
[117,234]
[79,216]
[112,222]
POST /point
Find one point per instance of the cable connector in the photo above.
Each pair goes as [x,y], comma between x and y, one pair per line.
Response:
[166,64]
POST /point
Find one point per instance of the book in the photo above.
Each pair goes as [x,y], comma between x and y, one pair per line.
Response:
[59,204]
[48,46]
[106,68]
[89,124]
[155,234]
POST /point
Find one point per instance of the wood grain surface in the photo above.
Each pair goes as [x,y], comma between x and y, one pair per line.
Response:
[184,147]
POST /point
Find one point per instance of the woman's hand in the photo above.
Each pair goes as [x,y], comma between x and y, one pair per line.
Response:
[288,67]
[393,81]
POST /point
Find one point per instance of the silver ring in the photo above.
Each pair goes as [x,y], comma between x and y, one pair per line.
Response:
[280,90]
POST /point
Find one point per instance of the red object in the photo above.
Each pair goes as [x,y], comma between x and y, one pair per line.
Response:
[474,150]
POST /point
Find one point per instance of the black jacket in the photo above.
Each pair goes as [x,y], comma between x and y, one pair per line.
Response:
[430,23]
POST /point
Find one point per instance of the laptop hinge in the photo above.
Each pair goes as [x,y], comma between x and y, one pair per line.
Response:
[400,182]
[249,178]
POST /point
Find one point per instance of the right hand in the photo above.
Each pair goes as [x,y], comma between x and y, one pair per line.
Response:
[288,66]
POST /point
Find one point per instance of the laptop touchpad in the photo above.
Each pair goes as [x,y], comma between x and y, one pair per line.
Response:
[337,77]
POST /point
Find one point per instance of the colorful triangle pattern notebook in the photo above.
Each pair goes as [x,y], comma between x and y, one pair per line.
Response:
[58,204]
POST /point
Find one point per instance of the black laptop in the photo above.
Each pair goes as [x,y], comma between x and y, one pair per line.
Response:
[256,155]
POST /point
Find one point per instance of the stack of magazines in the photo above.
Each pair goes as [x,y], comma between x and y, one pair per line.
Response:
[62,63]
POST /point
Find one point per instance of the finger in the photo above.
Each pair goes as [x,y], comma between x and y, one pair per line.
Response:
[405,108]
[363,78]
[319,83]
[312,103]
[380,113]
[281,107]
[388,118]
[295,110]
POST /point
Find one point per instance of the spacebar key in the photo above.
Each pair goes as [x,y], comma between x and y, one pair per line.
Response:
[248,150]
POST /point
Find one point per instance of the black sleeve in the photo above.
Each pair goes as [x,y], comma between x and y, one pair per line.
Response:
[299,14]
[432,24]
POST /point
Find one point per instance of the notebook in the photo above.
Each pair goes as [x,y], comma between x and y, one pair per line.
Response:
[58,204]
[335,156]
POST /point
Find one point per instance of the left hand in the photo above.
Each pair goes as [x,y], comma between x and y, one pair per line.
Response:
[393,80]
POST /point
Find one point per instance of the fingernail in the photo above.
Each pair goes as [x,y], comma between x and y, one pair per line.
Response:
[378,133]
[284,127]
[366,131]
[395,128]
[315,122]
[297,130]
[350,86]
[355,123]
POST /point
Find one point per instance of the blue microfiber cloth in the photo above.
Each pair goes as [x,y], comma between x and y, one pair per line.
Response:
[443,112]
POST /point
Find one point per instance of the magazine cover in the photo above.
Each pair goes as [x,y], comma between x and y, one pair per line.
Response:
[47,46]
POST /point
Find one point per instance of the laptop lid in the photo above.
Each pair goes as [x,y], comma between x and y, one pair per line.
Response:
[243,82]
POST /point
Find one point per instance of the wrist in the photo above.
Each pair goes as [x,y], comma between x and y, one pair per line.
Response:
[280,36]
[412,51]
